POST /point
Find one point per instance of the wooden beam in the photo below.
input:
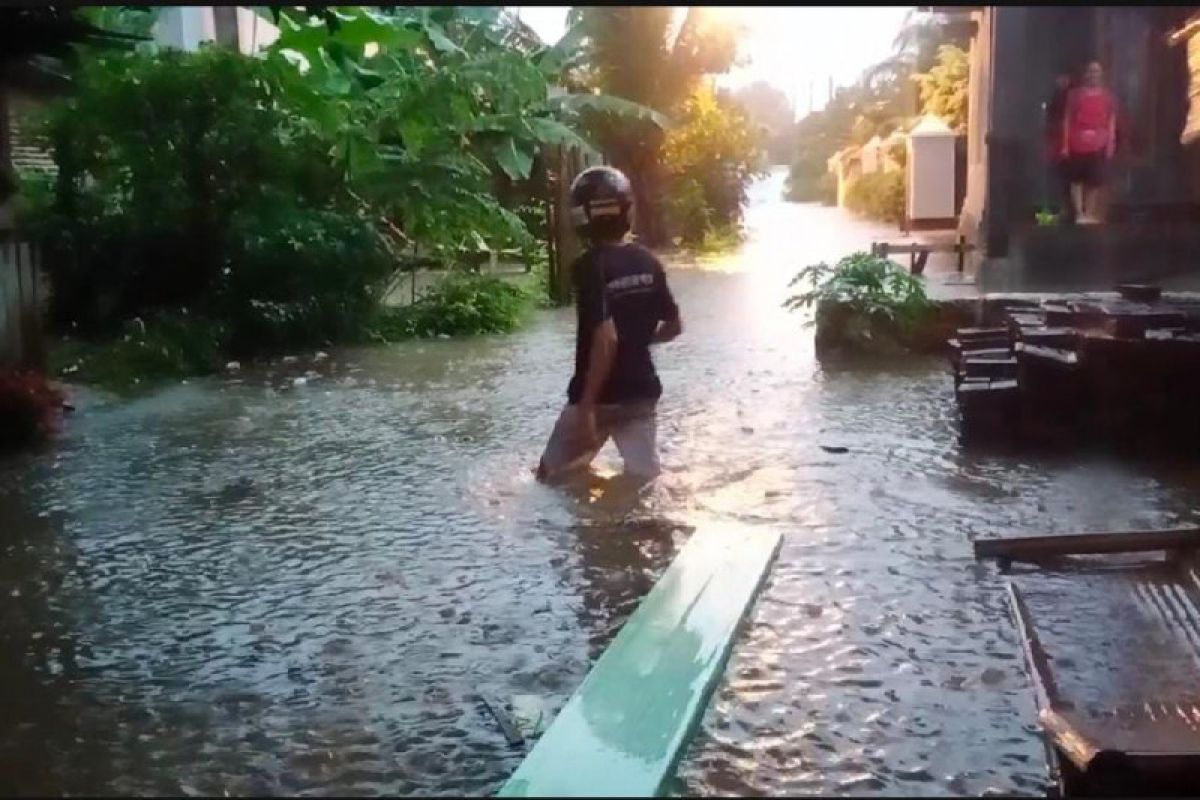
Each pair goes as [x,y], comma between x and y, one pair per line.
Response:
[1029,548]
[623,731]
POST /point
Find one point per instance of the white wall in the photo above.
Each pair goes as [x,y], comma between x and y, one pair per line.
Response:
[931,176]
[186,27]
[254,32]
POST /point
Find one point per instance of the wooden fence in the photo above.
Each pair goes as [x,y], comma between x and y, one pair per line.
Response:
[21,343]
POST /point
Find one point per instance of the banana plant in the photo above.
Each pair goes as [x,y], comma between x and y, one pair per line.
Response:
[426,103]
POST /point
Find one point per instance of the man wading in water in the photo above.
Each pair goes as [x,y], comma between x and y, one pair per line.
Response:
[624,306]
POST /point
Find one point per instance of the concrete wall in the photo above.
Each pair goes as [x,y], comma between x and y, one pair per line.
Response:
[979,117]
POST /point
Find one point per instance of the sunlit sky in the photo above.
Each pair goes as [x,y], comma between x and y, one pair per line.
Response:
[789,47]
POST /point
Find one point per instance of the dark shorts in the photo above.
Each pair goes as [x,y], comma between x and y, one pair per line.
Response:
[1086,168]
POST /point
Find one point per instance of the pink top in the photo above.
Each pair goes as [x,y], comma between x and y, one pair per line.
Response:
[1090,113]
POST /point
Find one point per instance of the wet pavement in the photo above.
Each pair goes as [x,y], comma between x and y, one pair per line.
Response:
[254,585]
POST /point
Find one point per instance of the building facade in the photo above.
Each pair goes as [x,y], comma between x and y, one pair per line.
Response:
[1016,53]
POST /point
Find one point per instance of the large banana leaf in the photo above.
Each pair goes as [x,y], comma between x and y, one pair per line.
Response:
[608,104]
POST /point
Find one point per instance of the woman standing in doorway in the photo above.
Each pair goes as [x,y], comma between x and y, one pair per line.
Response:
[1089,143]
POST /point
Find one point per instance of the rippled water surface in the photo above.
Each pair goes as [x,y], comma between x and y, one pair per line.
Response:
[246,585]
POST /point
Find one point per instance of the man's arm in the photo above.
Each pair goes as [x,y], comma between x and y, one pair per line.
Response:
[600,361]
[670,325]
[668,330]
[594,315]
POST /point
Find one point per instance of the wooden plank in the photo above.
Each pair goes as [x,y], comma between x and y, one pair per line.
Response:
[886,248]
[1035,547]
[623,731]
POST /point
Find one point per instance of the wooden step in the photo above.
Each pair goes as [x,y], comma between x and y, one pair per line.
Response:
[1049,337]
[996,368]
[623,731]
[972,334]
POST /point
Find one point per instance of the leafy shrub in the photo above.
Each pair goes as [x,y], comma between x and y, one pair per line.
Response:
[810,181]
[29,408]
[159,158]
[687,212]
[163,346]
[878,196]
[862,299]
[459,305]
[298,276]
[720,239]
[715,147]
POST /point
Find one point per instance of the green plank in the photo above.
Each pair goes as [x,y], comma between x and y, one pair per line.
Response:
[623,731]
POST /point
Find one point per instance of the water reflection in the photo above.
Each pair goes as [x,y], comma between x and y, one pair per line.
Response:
[250,586]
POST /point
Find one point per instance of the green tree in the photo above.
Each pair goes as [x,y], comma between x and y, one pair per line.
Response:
[769,108]
[631,52]
[944,87]
[715,148]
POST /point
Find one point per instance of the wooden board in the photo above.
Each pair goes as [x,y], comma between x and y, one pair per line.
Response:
[623,731]
[1034,547]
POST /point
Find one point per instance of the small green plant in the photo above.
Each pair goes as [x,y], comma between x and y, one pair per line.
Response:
[1045,218]
[461,305]
[863,294]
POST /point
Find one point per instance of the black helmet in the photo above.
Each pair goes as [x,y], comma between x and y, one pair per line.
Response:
[601,200]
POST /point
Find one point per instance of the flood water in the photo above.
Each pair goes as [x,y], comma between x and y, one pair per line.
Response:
[245,585]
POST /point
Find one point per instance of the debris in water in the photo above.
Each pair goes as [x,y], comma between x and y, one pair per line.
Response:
[299,381]
[507,725]
[532,714]
[836,449]
[233,366]
[991,676]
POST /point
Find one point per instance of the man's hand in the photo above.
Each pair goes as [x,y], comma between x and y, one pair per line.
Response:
[667,331]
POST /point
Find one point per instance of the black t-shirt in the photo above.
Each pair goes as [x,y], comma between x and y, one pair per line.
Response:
[627,283]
